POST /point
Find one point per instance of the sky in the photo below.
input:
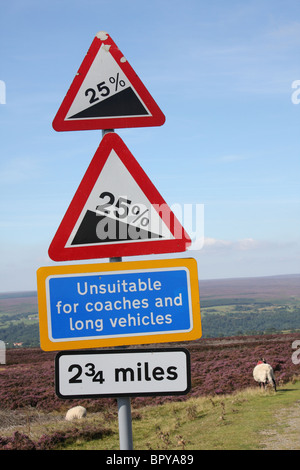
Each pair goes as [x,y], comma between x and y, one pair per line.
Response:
[221,71]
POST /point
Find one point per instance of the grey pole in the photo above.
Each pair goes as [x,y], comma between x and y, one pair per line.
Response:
[124,404]
[125,423]
[106,131]
[124,411]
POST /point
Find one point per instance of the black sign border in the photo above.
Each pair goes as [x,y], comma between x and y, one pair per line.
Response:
[120,394]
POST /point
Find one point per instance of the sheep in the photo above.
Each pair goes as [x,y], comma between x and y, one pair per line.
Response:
[77,412]
[264,374]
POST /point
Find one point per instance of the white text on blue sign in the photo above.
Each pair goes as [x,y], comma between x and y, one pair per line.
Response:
[101,305]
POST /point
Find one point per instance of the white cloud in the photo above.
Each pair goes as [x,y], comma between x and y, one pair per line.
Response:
[246,257]
[244,244]
[286,35]
[247,244]
[214,242]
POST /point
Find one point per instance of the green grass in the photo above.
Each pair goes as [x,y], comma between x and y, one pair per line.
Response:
[233,422]
[240,421]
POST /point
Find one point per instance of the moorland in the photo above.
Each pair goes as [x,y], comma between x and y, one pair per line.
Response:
[243,320]
[229,307]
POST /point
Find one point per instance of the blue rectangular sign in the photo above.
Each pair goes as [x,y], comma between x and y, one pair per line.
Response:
[114,303]
[119,304]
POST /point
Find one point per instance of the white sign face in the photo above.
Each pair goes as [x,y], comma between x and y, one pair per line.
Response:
[105,80]
[134,213]
[106,93]
[115,373]
[116,211]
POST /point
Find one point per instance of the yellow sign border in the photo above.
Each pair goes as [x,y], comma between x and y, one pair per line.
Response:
[44,272]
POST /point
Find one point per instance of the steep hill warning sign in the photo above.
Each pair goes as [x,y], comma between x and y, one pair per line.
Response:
[116,211]
[106,93]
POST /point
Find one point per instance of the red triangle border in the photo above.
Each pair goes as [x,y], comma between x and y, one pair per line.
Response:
[58,250]
[157,118]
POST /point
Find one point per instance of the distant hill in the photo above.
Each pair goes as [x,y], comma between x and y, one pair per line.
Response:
[229,307]
[16,295]
[247,306]
[269,287]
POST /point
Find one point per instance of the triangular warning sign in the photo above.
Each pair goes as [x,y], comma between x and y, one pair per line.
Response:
[106,93]
[116,211]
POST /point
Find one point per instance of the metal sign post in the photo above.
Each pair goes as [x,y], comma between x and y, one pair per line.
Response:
[124,409]
[125,423]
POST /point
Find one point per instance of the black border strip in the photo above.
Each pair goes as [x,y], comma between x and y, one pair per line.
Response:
[122,351]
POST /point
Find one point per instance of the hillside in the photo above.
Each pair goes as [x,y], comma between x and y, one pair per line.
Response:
[223,410]
[229,307]
[283,287]
[248,306]
[221,366]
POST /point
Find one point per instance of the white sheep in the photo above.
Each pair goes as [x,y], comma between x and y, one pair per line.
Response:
[77,412]
[264,374]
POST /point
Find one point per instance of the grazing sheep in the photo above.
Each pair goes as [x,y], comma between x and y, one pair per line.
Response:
[263,374]
[77,412]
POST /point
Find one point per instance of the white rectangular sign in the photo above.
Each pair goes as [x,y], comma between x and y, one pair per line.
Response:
[129,372]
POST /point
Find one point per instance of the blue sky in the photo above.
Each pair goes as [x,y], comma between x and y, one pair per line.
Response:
[222,73]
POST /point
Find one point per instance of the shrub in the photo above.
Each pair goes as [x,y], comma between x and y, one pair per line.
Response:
[20,441]
[217,366]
